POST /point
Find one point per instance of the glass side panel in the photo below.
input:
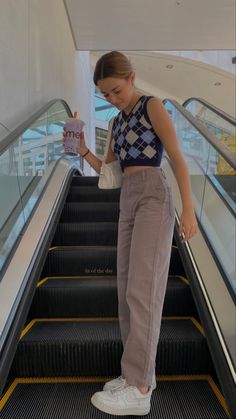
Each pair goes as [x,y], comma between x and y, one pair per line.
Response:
[23,170]
[214,191]
[11,211]
[222,129]
[196,151]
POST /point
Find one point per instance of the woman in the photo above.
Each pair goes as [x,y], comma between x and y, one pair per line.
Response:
[140,131]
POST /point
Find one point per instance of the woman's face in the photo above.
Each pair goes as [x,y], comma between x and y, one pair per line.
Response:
[118,92]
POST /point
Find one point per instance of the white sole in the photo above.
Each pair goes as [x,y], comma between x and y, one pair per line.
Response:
[115,411]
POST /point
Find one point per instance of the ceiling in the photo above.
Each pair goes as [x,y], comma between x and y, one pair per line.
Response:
[140,28]
[152,24]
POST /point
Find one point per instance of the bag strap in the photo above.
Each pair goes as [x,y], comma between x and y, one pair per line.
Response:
[109,136]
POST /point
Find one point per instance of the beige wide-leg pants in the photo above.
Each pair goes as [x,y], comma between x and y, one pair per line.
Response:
[145,234]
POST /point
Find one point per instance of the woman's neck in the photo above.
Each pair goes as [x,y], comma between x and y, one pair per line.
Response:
[135,98]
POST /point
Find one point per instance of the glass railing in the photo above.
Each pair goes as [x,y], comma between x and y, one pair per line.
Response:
[104,111]
[27,157]
[222,125]
[213,186]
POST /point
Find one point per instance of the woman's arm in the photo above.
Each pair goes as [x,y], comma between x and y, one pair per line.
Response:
[90,158]
[110,156]
[164,128]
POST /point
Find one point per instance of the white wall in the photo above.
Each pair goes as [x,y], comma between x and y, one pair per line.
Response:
[36,57]
[38,62]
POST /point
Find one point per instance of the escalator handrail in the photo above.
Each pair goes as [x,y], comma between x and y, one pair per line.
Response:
[10,138]
[213,108]
[220,148]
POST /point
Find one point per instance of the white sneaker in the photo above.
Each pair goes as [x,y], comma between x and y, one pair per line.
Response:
[113,384]
[123,401]
[120,382]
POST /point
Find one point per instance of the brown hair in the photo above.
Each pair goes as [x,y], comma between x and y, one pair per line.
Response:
[112,64]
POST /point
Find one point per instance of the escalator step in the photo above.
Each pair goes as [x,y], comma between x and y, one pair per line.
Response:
[90,211]
[87,234]
[84,260]
[92,193]
[89,347]
[84,181]
[173,399]
[178,299]
[92,297]
[92,260]
[77,297]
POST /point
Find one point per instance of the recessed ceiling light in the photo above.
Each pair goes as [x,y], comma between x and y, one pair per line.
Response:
[217,83]
[169,66]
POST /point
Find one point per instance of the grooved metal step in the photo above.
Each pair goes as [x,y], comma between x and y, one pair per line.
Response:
[93,193]
[92,347]
[84,260]
[86,234]
[97,296]
[84,181]
[92,260]
[32,399]
[90,211]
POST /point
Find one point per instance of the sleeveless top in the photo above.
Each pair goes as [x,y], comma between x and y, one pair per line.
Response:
[134,141]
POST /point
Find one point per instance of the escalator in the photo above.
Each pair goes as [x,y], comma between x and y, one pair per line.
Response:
[70,342]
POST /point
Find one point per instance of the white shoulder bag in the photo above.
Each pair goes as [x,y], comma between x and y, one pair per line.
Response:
[110,175]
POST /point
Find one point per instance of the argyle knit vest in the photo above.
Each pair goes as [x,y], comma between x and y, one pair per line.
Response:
[134,141]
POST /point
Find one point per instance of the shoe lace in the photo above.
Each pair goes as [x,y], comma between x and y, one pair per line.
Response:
[122,388]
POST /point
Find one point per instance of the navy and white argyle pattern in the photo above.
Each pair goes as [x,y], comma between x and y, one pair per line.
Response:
[134,141]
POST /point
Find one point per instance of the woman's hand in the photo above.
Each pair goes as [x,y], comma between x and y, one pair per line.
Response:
[188,225]
[82,148]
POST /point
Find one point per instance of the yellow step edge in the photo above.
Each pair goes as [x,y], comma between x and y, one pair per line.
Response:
[218,395]
[42,281]
[77,247]
[8,394]
[181,277]
[195,322]
[161,378]
[90,245]
[98,319]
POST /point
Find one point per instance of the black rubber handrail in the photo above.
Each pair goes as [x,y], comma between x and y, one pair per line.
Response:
[213,108]
[10,138]
[220,148]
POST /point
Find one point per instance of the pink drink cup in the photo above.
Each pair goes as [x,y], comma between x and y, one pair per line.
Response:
[73,129]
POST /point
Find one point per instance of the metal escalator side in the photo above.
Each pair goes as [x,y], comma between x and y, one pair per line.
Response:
[33,181]
[209,258]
